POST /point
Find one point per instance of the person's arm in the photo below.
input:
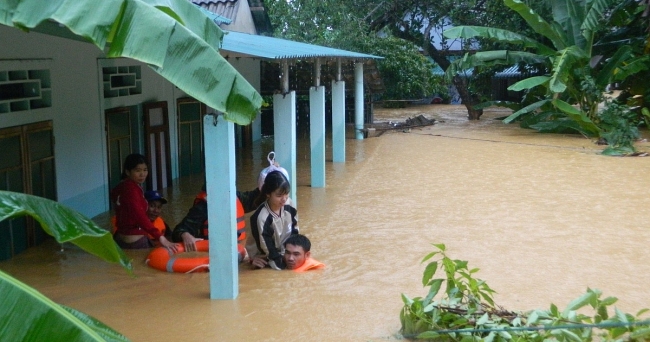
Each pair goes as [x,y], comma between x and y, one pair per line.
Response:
[247,199]
[192,223]
[294,218]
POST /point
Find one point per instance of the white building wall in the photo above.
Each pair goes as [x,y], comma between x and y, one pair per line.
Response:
[78,107]
[77,111]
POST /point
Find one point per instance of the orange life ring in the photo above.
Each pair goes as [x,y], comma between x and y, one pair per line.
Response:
[162,259]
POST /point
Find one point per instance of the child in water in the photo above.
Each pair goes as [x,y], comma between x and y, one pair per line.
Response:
[273,221]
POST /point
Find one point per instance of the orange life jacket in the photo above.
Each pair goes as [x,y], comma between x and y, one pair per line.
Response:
[241,221]
[310,264]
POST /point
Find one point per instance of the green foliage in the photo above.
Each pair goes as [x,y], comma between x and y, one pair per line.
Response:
[619,128]
[466,312]
[405,72]
[27,315]
[576,77]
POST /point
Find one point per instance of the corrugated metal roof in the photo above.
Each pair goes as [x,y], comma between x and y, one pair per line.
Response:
[249,45]
[224,8]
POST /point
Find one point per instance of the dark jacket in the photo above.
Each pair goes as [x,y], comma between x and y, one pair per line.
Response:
[198,214]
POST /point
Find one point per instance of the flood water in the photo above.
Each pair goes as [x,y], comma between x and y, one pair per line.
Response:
[542,216]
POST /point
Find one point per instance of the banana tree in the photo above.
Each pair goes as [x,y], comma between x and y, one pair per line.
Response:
[172,36]
[26,314]
[576,77]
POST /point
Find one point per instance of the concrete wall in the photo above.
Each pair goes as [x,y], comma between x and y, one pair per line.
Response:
[78,107]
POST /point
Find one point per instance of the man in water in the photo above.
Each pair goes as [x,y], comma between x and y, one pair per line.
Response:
[297,256]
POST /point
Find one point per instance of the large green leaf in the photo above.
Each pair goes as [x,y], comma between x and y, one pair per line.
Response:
[568,14]
[173,36]
[64,224]
[536,22]
[594,17]
[586,125]
[528,83]
[530,108]
[563,66]
[612,65]
[499,35]
[491,58]
[27,315]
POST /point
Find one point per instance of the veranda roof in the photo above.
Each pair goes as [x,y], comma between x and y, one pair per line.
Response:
[237,44]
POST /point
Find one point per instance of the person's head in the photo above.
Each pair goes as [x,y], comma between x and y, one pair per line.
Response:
[156,202]
[135,168]
[296,251]
[276,189]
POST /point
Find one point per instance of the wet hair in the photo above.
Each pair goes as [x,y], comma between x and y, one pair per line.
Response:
[131,162]
[300,241]
[274,181]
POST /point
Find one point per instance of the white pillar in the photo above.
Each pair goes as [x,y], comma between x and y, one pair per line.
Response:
[219,139]
[358,100]
[338,121]
[284,136]
[317,135]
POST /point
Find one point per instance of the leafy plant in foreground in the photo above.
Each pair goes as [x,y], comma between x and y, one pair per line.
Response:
[26,314]
[467,312]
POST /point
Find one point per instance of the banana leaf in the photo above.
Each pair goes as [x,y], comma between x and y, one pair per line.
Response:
[612,65]
[594,16]
[491,58]
[64,224]
[560,126]
[27,315]
[563,66]
[527,109]
[632,67]
[587,126]
[537,23]
[528,83]
[173,36]
[499,35]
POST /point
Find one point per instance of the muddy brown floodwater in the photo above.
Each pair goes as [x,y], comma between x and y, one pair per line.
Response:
[542,216]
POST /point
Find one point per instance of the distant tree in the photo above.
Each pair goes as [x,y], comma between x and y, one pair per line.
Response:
[422,23]
[342,24]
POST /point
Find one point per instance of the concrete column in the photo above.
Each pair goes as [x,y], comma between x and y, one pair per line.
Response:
[317,135]
[358,100]
[338,121]
[219,139]
[284,136]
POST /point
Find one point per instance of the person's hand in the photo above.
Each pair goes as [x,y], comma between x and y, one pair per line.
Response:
[189,241]
[259,262]
[168,244]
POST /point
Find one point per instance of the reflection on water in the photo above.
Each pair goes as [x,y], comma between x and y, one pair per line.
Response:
[543,217]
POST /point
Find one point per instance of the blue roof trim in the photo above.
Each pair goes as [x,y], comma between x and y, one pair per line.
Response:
[276,48]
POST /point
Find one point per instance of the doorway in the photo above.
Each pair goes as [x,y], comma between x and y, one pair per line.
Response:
[156,132]
[26,166]
[118,141]
[190,136]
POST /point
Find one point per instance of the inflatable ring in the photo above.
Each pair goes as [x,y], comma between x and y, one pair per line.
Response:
[162,259]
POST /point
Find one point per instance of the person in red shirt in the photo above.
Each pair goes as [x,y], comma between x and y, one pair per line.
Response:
[131,219]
